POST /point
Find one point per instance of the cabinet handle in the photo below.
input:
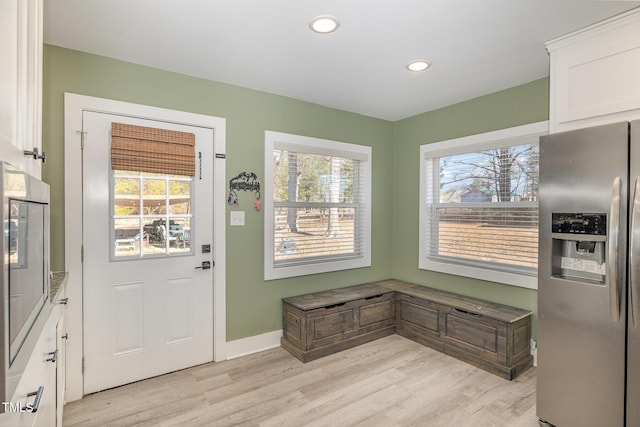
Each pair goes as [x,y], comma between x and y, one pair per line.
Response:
[54,356]
[65,336]
[36,401]
[63,301]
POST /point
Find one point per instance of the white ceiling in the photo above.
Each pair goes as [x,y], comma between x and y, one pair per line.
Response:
[476,46]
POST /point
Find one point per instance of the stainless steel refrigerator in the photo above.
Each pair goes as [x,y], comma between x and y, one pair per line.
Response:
[589,277]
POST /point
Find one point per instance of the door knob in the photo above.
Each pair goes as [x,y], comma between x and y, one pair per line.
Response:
[206,265]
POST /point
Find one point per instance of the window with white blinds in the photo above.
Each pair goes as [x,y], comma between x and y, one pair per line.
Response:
[479,205]
[317,205]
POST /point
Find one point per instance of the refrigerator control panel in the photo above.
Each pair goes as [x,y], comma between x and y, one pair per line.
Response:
[579,223]
[578,243]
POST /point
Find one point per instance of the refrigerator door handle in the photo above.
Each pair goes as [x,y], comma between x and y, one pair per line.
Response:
[612,262]
[634,270]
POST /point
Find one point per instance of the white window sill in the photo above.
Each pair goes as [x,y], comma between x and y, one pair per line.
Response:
[514,279]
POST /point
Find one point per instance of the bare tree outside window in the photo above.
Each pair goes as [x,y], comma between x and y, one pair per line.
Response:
[503,174]
[484,211]
[479,205]
[317,205]
[316,214]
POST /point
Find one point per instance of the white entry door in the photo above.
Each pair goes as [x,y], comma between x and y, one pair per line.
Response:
[148,301]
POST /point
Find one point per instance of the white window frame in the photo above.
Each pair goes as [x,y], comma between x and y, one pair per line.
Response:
[305,144]
[511,136]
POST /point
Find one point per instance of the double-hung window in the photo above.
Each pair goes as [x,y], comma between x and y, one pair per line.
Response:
[317,205]
[479,205]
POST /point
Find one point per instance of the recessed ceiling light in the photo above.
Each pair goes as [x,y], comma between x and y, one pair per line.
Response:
[324,24]
[418,65]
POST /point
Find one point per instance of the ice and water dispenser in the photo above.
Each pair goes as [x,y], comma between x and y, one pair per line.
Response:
[578,246]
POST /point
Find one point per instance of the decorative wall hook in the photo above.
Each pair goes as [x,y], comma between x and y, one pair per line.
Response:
[245,181]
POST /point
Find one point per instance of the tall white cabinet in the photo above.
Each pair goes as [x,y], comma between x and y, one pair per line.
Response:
[21,83]
[20,131]
[595,74]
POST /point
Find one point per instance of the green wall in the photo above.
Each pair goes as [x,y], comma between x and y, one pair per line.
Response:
[517,106]
[253,305]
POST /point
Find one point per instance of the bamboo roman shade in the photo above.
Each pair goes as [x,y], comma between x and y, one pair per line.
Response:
[145,149]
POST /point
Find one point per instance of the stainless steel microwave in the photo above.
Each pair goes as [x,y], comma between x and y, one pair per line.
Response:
[24,283]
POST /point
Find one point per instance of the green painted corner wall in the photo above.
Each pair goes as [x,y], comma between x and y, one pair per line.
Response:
[253,305]
[528,103]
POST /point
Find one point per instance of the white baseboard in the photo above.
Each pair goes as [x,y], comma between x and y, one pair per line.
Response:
[254,344]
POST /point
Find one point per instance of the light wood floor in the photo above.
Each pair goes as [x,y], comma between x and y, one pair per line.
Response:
[389,382]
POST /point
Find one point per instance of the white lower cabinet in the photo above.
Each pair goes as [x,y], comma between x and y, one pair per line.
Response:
[41,385]
[61,344]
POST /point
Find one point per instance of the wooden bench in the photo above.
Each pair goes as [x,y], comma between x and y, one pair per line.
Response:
[491,336]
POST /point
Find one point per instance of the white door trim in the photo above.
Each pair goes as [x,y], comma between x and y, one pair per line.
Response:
[74,105]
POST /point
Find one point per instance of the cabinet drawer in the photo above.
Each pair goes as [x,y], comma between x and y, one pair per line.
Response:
[475,334]
[40,371]
[419,316]
[331,327]
[377,311]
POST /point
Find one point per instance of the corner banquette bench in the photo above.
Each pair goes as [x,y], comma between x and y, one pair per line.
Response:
[491,336]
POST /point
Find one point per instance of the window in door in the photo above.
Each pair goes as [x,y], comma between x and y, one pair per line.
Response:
[151,214]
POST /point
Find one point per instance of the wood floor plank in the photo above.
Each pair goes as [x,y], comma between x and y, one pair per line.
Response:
[336,400]
[390,382]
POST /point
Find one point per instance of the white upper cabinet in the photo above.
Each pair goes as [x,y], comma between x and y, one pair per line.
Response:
[21,83]
[595,74]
